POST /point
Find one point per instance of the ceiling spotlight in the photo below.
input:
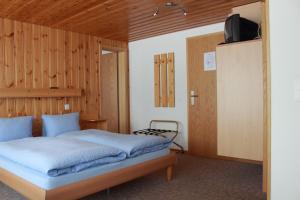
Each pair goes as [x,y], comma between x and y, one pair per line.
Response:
[184,12]
[170,5]
[156,12]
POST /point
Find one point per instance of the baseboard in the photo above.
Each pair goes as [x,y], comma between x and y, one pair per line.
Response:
[227,158]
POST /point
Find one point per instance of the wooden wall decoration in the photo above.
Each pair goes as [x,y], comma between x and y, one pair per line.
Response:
[164,80]
[171,78]
[157,80]
[37,57]
[38,93]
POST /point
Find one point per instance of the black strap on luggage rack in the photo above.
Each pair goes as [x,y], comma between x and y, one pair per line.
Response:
[162,132]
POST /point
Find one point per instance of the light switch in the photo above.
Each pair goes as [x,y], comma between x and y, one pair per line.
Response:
[297,90]
[67,106]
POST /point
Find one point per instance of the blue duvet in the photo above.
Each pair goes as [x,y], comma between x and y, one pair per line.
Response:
[133,145]
[56,156]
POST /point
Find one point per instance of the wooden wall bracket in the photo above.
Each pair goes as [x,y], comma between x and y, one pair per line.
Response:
[38,93]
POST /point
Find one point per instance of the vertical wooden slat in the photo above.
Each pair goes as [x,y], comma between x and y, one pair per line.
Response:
[37,73]
[157,80]
[45,67]
[2,68]
[28,65]
[9,62]
[68,65]
[99,43]
[60,66]
[81,69]
[75,67]
[164,84]
[171,80]
[19,63]
[87,75]
[53,67]
[95,54]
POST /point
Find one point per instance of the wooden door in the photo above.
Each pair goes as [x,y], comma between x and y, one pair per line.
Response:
[202,117]
[109,90]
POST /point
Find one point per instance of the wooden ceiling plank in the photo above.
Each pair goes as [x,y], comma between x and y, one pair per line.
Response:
[102,13]
[177,28]
[172,22]
[137,13]
[148,35]
[151,20]
[115,19]
[84,13]
[171,29]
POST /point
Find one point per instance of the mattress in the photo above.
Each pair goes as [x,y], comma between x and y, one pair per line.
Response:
[48,183]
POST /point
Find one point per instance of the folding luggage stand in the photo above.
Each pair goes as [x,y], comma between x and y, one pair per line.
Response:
[162,132]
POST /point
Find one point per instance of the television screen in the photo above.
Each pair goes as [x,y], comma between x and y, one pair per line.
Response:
[240,29]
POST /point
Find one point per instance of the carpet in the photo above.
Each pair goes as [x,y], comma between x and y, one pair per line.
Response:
[195,178]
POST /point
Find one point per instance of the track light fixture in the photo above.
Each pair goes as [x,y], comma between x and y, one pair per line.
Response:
[170,5]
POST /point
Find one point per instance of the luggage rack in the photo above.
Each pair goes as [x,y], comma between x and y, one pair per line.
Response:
[162,132]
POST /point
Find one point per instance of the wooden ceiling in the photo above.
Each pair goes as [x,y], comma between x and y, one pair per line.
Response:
[125,20]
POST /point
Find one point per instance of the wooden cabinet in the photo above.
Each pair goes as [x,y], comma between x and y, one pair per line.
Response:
[94,124]
[240,100]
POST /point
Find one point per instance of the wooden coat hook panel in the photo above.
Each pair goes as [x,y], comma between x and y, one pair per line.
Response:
[164,80]
[38,93]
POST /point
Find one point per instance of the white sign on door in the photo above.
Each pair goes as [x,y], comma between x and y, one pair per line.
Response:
[210,61]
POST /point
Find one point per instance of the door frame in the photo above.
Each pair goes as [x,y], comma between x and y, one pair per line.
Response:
[123,85]
[267,100]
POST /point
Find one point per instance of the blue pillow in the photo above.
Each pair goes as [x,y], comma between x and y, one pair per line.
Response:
[54,125]
[15,128]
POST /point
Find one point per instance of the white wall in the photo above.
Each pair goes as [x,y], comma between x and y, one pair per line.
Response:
[141,78]
[285,69]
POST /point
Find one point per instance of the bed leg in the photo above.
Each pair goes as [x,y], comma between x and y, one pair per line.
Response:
[108,192]
[169,172]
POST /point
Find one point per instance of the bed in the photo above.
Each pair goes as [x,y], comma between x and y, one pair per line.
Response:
[36,185]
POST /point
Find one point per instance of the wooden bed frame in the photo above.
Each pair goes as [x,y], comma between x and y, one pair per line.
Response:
[92,185]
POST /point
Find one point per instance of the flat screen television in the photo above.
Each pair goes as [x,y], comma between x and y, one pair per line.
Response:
[240,29]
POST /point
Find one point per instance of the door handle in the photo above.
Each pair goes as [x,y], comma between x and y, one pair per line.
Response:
[193,95]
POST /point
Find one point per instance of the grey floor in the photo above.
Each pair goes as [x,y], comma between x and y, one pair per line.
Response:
[194,178]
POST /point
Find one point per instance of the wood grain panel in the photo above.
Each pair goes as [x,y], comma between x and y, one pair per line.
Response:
[9,61]
[109,101]
[171,80]
[203,114]
[267,99]
[240,100]
[164,80]
[45,66]
[38,93]
[123,80]
[38,57]
[157,80]
[118,20]
[19,62]
[2,65]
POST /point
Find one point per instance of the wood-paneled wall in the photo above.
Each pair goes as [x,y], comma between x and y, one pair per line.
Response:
[33,56]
